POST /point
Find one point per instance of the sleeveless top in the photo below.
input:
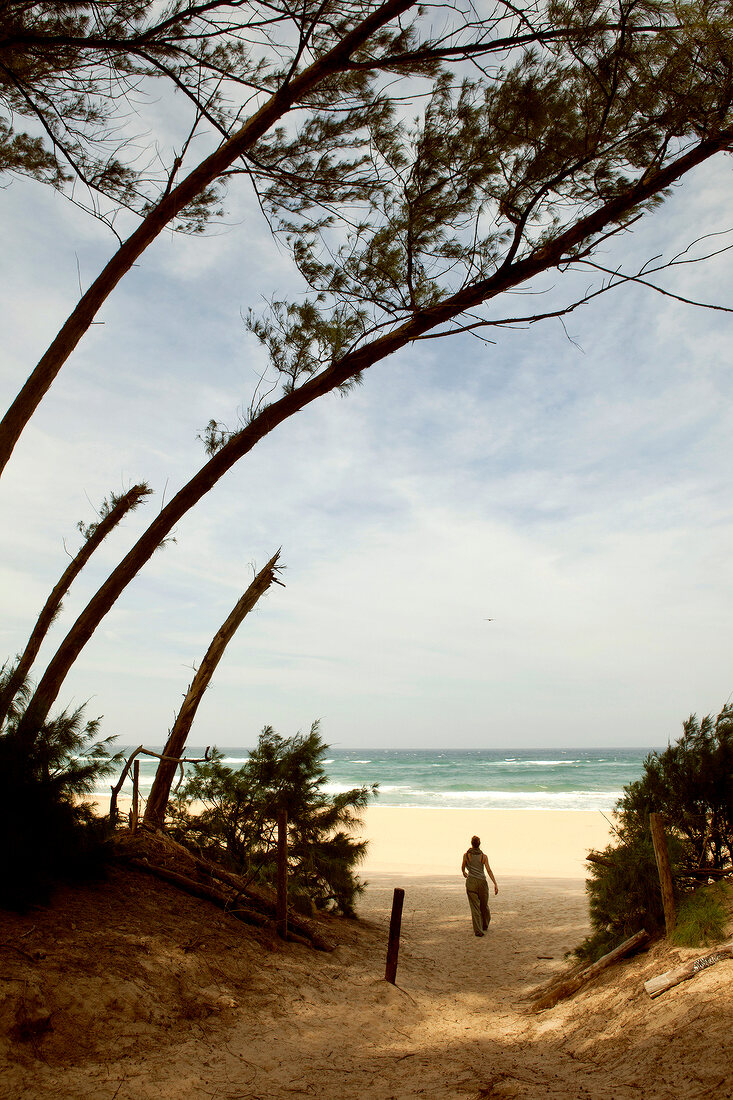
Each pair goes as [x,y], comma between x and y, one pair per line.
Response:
[474,863]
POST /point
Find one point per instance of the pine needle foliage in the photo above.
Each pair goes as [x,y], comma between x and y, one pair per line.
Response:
[691,784]
[49,832]
[624,894]
[231,816]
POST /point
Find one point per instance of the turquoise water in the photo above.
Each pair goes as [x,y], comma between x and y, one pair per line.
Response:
[533,779]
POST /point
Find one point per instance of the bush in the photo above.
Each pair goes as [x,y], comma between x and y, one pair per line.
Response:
[48,832]
[236,821]
[691,784]
[623,892]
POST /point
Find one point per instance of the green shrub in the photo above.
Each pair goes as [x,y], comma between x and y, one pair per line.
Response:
[48,832]
[702,916]
[691,784]
[236,821]
[623,893]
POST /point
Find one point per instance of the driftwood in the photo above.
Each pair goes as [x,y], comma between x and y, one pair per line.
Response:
[569,986]
[687,970]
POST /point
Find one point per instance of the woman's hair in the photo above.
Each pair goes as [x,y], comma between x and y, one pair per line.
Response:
[476,841]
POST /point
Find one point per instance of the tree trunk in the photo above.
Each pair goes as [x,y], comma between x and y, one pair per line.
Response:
[51,608]
[567,988]
[176,743]
[205,173]
[200,890]
[348,367]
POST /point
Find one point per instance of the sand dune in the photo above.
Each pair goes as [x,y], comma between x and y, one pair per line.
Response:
[155,996]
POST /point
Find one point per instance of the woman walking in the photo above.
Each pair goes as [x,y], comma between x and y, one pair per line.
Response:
[477,888]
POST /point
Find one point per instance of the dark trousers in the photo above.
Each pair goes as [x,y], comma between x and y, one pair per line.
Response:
[477,890]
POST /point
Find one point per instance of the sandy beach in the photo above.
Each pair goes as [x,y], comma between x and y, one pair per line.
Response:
[537,843]
[155,995]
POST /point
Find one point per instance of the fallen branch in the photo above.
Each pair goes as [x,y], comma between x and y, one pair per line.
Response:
[687,970]
[705,873]
[263,909]
[265,900]
[200,890]
[568,987]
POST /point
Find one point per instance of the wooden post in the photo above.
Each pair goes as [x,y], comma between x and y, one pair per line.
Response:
[659,840]
[135,789]
[282,874]
[395,923]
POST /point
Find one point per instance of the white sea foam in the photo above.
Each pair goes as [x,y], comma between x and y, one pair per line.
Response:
[526,800]
[339,788]
[513,763]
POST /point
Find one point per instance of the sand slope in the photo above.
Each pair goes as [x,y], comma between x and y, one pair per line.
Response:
[156,996]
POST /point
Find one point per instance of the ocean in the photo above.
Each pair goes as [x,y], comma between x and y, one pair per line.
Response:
[531,779]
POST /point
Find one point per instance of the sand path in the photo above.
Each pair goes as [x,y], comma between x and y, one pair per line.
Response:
[454,1025]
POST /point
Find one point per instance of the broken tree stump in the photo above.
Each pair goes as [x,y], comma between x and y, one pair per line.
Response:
[687,970]
[568,987]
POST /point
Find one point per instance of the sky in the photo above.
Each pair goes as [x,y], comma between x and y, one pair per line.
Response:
[526,544]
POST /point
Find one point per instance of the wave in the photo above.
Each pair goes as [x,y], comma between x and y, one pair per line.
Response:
[496,799]
[513,763]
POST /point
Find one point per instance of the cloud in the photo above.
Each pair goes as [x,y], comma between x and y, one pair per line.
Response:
[577,493]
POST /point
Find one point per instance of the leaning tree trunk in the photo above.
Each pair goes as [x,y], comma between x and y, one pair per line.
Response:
[295,90]
[160,791]
[51,608]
